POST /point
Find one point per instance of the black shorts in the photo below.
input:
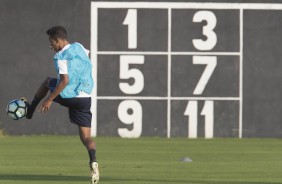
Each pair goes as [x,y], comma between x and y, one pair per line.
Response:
[79,108]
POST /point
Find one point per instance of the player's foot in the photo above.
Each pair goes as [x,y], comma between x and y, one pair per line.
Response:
[28,113]
[94,172]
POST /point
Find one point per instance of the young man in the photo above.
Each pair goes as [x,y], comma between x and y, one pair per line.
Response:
[72,89]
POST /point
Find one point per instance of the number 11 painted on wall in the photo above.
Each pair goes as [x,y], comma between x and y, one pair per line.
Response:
[192,113]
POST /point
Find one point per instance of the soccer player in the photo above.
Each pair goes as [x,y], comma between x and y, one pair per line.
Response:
[71,88]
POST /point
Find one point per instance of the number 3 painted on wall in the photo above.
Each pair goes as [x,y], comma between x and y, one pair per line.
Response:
[208,30]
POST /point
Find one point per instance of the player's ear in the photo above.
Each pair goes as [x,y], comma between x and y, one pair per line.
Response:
[56,40]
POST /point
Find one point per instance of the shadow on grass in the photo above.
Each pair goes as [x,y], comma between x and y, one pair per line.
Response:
[34,177]
[30,177]
[184,181]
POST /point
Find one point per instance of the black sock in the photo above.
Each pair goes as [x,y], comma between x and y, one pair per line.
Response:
[32,107]
[92,155]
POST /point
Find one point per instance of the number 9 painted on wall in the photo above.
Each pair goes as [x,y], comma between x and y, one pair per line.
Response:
[130,113]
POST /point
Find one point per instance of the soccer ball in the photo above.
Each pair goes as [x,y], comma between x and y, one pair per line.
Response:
[16,109]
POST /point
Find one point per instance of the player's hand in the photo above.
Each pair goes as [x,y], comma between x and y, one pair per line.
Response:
[45,106]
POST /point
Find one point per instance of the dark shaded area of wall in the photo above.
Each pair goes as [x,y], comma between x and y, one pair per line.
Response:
[26,59]
[197,1]
[262,74]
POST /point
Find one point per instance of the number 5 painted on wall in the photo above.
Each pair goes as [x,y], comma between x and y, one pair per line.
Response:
[127,73]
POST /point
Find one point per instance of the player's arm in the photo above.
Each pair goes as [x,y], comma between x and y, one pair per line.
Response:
[64,80]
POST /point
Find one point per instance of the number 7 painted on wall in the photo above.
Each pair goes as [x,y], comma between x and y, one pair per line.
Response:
[211,62]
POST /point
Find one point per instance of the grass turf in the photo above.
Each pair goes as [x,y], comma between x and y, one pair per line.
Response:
[62,159]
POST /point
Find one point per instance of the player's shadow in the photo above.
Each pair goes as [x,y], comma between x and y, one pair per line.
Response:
[183,181]
[34,177]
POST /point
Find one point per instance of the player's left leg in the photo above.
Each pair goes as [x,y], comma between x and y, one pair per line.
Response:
[39,95]
[89,143]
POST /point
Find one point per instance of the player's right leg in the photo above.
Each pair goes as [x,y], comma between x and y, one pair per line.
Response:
[39,95]
[85,137]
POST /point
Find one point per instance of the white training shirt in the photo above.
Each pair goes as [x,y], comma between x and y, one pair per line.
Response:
[63,68]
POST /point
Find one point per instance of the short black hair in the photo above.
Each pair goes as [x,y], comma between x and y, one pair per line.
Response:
[57,32]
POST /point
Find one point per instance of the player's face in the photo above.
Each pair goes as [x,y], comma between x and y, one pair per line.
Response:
[54,44]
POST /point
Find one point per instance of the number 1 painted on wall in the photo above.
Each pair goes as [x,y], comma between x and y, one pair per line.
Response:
[131,22]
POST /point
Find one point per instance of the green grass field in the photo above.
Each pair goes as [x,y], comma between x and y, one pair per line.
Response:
[62,159]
